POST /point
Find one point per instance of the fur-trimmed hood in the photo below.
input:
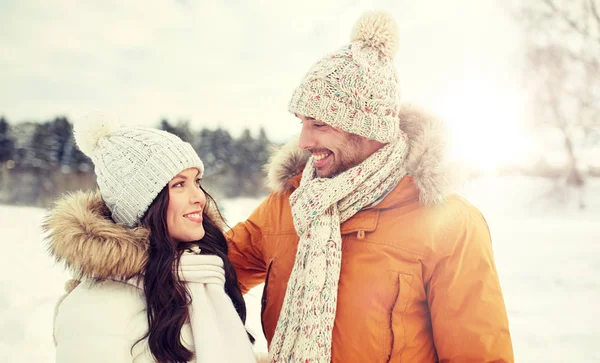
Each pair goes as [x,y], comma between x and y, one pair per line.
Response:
[81,234]
[428,162]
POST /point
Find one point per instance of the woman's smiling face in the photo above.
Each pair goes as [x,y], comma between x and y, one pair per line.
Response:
[186,205]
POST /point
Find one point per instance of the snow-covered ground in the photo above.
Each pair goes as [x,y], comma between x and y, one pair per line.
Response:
[548,255]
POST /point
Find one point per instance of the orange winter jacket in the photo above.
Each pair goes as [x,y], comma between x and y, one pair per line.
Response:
[418,281]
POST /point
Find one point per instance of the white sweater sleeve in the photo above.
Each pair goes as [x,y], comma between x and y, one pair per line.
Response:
[100,323]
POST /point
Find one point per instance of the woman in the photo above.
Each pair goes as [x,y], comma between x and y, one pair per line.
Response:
[156,283]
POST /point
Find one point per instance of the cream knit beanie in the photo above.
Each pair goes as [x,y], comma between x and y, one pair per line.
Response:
[356,88]
[133,164]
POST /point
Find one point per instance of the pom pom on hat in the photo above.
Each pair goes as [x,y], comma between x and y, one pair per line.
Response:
[378,30]
[90,131]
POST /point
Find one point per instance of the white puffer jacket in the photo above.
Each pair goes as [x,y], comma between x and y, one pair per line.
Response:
[100,322]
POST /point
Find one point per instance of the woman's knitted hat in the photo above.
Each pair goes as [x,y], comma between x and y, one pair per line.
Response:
[133,164]
[356,88]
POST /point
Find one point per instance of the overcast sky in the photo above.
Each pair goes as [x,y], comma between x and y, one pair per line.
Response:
[235,63]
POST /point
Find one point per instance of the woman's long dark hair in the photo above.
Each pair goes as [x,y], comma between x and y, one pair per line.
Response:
[167,298]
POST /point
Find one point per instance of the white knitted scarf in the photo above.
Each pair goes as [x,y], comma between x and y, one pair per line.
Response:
[319,207]
[219,334]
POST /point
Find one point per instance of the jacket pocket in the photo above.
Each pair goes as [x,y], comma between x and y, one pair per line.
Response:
[386,312]
[264,298]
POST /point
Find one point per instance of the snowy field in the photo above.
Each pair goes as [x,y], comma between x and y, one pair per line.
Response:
[548,255]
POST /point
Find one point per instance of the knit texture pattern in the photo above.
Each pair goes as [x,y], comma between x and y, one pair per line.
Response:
[356,88]
[219,333]
[319,207]
[133,164]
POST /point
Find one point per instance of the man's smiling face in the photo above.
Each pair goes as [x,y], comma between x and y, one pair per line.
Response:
[334,151]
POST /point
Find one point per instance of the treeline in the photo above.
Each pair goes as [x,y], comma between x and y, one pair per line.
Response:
[40,161]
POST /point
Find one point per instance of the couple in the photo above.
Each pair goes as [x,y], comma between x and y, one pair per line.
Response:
[366,253]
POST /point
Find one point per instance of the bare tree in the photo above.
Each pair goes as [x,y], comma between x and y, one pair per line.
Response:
[563,45]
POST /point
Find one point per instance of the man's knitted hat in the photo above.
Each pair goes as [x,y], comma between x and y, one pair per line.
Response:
[356,88]
[133,164]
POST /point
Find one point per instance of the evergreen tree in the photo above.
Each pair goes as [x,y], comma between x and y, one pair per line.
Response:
[244,164]
[23,135]
[7,143]
[204,148]
[75,159]
[222,148]
[182,129]
[49,142]
[263,147]
[244,160]
[216,149]
[251,156]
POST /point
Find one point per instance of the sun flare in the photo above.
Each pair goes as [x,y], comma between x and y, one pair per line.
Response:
[486,126]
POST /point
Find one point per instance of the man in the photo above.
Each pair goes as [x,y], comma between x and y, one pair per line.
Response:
[366,253]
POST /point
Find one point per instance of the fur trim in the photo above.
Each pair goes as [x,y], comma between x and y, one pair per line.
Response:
[82,235]
[434,172]
[285,162]
[428,161]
